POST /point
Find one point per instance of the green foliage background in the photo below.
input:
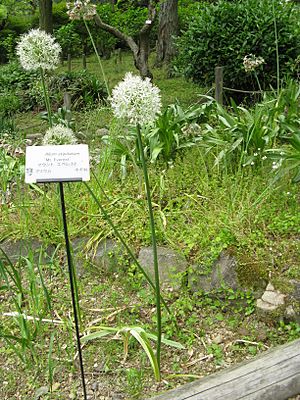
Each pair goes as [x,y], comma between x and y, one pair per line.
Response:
[222,33]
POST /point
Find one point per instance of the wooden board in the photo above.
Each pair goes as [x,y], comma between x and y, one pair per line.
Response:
[274,375]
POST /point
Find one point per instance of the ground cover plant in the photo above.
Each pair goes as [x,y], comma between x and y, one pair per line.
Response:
[220,180]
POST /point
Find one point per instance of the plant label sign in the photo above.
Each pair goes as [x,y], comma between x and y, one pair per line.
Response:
[60,163]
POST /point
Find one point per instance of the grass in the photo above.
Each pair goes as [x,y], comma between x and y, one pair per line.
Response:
[199,211]
[172,89]
[222,314]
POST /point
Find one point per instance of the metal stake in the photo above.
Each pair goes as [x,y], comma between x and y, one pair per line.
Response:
[72,277]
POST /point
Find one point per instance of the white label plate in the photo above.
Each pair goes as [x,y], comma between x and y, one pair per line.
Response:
[61,163]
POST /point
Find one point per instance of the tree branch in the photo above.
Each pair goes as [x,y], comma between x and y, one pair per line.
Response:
[114,31]
[151,17]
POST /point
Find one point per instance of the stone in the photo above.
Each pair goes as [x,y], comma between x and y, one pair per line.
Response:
[291,315]
[108,255]
[34,137]
[79,255]
[271,305]
[270,287]
[273,297]
[24,248]
[265,306]
[218,339]
[102,132]
[172,265]
[223,273]
[40,392]
[56,386]
[290,312]
[295,289]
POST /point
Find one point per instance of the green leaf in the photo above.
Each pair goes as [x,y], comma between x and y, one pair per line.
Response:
[168,342]
[141,336]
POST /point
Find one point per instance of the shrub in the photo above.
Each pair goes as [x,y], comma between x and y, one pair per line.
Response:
[7,127]
[3,13]
[9,104]
[69,40]
[85,89]
[59,14]
[13,26]
[187,11]
[19,23]
[8,40]
[13,77]
[224,32]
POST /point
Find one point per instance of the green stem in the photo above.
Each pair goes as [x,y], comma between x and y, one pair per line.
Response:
[257,80]
[46,96]
[277,49]
[154,245]
[119,236]
[97,55]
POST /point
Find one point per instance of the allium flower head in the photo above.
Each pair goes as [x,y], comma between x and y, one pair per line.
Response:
[59,134]
[136,100]
[251,62]
[81,9]
[37,49]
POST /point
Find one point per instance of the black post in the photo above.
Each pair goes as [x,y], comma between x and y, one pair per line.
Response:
[72,277]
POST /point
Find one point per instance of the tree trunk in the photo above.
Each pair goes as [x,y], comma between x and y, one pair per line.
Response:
[113,4]
[45,21]
[141,56]
[167,29]
[140,50]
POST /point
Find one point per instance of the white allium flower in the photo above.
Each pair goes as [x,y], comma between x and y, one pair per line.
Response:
[192,129]
[136,100]
[37,49]
[276,165]
[59,134]
[251,62]
[81,9]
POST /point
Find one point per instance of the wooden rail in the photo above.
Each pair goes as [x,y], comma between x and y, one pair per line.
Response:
[274,375]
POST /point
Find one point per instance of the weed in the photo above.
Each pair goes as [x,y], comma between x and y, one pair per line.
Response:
[216,351]
[134,382]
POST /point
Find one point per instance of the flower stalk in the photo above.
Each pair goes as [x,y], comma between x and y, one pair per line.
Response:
[257,80]
[138,101]
[154,244]
[97,55]
[46,97]
[129,251]
[276,47]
